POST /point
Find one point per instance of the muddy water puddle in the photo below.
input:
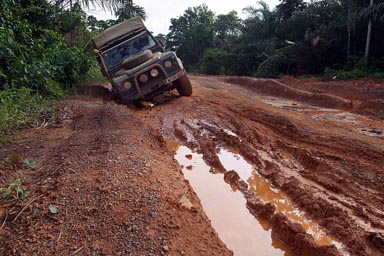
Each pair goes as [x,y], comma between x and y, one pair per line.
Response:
[226,208]
[263,189]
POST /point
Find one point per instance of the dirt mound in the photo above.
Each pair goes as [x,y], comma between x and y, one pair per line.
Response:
[278,89]
[361,89]
[99,90]
[371,108]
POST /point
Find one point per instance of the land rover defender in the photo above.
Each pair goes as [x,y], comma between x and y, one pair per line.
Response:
[136,63]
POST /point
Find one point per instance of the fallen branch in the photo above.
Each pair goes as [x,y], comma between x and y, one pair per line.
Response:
[78,250]
[61,229]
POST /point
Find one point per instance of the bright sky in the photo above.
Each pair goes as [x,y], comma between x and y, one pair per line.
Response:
[159,15]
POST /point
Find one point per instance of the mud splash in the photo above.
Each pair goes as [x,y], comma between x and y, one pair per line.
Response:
[226,208]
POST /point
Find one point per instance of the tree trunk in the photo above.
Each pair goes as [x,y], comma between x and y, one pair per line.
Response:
[368,41]
[70,43]
[349,30]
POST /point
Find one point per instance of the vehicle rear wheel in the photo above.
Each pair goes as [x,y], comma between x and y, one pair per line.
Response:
[137,59]
[184,86]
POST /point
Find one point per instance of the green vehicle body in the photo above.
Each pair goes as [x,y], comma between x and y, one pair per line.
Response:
[136,63]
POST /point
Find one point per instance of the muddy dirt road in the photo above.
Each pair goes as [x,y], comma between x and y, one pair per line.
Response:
[244,166]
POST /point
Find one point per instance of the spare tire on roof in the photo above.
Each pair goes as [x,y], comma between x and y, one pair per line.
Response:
[137,59]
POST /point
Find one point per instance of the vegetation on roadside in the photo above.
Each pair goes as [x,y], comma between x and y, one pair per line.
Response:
[14,191]
[296,38]
[44,54]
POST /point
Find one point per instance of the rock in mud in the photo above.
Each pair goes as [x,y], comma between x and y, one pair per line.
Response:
[377,240]
[294,235]
[258,208]
[270,169]
[231,177]
[184,201]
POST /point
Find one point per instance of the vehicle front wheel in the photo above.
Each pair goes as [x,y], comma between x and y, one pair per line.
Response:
[184,86]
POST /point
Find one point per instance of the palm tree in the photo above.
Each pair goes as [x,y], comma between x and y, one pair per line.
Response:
[130,10]
[373,13]
[263,13]
[368,41]
[111,5]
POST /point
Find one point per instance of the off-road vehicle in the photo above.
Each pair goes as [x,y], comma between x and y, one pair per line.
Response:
[136,63]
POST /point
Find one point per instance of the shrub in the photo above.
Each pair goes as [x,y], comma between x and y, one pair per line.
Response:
[17,107]
[94,73]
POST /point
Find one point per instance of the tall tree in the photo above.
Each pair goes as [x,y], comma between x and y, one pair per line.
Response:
[192,33]
[261,21]
[111,5]
[373,13]
[130,10]
[287,7]
[227,25]
[368,41]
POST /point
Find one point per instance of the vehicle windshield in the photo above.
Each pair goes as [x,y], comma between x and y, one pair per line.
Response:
[128,48]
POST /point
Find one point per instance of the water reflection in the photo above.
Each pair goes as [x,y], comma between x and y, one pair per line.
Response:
[226,208]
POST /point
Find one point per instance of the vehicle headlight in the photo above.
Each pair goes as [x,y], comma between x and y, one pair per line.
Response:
[154,72]
[168,64]
[127,85]
[143,78]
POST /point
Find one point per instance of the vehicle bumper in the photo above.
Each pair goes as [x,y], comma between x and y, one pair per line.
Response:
[150,91]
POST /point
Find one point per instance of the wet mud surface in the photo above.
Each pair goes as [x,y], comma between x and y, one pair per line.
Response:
[243,166]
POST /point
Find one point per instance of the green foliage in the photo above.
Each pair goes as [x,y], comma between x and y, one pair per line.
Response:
[110,5]
[192,33]
[30,163]
[227,26]
[287,8]
[14,190]
[14,159]
[94,73]
[67,20]
[129,10]
[296,38]
[214,62]
[222,62]
[270,68]
[53,209]
[295,27]
[71,64]
[32,56]
[21,106]
[355,73]
[356,70]
[36,64]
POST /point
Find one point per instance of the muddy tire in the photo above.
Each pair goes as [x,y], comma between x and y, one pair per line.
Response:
[184,86]
[137,59]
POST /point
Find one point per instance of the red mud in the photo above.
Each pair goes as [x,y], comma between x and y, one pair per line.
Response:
[110,170]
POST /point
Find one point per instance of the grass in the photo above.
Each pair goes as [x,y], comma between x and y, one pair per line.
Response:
[22,107]
[14,190]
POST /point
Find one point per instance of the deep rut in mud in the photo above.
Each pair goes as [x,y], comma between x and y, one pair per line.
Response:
[325,168]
